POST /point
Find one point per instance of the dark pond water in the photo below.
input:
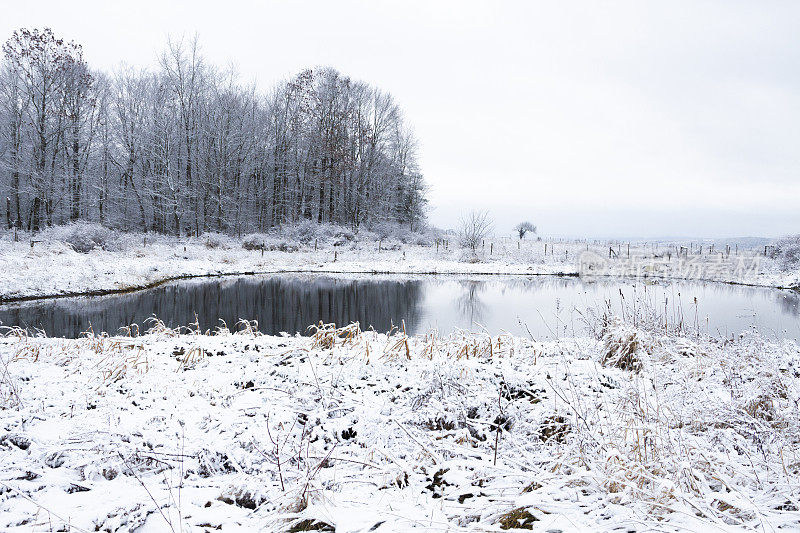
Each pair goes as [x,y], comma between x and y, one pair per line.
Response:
[547,307]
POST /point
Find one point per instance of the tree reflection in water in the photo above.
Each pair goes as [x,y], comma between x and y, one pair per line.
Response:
[291,302]
[279,303]
[469,304]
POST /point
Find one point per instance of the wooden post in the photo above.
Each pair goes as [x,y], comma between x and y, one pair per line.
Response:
[629,249]
[315,245]
[335,253]
[491,249]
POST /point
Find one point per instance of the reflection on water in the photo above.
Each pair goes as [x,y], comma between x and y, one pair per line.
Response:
[546,306]
[280,303]
[469,304]
[789,302]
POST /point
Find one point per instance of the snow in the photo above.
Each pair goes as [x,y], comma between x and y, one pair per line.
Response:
[368,432]
[52,267]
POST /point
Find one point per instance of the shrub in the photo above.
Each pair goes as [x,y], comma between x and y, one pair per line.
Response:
[622,345]
[254,241]
[475,226]
[216,241]
[83,237]
[787,251]
[259,241]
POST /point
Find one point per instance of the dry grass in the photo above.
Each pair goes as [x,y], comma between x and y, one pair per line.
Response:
[622,346]
[326,336]
[663,425]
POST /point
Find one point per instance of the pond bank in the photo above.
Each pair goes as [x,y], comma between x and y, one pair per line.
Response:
[53,269]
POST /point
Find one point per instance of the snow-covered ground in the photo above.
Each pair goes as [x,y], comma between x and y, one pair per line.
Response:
[52,267]
[368,432]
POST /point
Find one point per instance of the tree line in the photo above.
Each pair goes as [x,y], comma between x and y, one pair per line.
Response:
[186,148]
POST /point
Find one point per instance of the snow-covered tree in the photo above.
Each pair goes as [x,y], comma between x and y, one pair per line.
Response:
[523,228]
[188,148]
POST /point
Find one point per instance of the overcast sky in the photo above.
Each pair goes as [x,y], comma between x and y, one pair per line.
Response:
[618,119]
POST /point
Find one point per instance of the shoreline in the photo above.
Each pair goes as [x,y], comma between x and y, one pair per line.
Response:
[53,269]
[375,272]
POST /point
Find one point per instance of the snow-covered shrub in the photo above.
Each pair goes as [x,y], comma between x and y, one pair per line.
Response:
[622,346]
[83,237]
[254,241]
[474,228]
[392,231]
[216,241]
[384,230]
[264,241]
[787,251]
[306,232]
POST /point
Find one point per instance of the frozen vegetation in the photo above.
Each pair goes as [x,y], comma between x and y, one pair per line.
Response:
[85,258]
[639,425]
[631,429]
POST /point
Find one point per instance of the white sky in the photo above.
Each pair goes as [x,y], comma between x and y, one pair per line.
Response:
[619,119]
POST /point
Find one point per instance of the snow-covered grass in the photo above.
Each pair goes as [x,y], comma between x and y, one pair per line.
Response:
[81,259]
[363,431]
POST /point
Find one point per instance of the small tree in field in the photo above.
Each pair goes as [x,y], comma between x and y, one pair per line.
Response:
[524,227]
[474,228]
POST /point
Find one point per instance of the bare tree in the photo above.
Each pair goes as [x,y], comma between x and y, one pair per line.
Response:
[524,227]
[187,148]
[13,110]
[43,63]
[475,226]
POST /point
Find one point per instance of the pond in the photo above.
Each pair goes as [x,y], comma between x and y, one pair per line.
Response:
[544,307]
